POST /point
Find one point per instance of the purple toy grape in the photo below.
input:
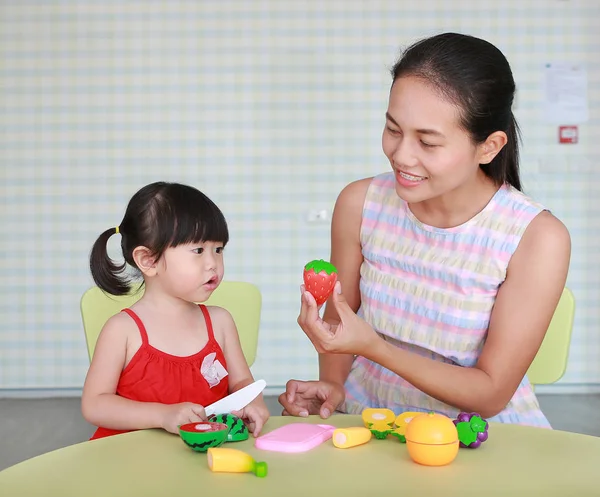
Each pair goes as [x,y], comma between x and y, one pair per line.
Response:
[463,417]
[472,429]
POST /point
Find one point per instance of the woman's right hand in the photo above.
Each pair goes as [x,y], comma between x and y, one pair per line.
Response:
[175,415]
[302,398]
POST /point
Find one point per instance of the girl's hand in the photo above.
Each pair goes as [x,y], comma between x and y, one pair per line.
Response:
[254,416]
[175,415]
[351,336]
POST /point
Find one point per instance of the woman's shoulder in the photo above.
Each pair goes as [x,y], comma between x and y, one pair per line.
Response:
[519,200]
[547,228]
[354,194]
[350,201]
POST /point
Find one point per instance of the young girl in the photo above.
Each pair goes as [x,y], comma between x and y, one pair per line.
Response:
[158,363]
[450,273]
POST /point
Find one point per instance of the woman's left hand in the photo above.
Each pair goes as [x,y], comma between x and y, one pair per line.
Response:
[351,336]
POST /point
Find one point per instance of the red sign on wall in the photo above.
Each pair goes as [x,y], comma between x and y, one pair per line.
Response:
[568,134]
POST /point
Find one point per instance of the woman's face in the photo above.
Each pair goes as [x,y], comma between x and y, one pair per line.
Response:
[429,152]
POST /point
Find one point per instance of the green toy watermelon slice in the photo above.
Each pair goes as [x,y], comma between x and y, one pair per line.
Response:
[237,429]
[204,435]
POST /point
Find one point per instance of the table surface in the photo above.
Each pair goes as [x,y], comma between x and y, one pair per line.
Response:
[529,461]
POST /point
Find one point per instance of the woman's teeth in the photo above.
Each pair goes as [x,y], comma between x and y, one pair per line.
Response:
[410,177]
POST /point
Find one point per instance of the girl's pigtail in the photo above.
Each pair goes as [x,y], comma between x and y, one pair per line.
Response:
[106,273]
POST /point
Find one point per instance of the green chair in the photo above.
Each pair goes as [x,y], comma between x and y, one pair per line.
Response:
[550,363]
[243,300]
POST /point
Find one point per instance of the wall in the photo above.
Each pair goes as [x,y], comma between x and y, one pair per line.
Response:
[269,107]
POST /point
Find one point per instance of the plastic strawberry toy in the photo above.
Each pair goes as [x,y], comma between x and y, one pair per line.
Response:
[319,278]
[472,429]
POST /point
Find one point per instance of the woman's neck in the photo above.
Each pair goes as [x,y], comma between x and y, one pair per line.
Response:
[457,206]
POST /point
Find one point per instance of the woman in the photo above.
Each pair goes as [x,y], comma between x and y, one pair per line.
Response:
[448,275]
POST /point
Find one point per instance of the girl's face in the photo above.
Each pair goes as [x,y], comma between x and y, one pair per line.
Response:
[192,271]
[429,152]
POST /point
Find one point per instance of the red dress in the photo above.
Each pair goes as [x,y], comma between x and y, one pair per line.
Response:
[155,376]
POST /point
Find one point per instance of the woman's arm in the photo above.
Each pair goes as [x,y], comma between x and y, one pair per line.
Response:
[521,315]
[346,256]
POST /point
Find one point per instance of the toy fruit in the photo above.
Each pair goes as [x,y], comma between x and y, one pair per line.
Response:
[399,434]
[222,460]
[379,420]
[204,435]
[237,429]
[319,278]
[472,429]
[401,422]
[432,439]
[344,438]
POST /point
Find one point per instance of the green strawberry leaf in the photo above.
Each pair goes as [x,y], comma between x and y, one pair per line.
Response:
[319,265]
[465,434]
[477,424]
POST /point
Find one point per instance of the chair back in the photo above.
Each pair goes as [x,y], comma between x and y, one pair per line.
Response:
[243,300]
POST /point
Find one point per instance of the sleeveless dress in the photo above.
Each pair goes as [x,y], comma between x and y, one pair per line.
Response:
[155,376]
[431,291]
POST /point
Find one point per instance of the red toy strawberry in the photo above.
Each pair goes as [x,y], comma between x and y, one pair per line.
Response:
[319,278]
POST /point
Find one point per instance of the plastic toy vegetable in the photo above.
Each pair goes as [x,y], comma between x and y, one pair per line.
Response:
[472,429]
[319,278]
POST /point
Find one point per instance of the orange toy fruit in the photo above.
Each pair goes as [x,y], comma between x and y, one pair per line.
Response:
[432,439]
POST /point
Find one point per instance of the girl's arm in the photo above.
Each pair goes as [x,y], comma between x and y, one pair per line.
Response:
[99,404]
[346,256]
[256,413]
[521,315]
[227,336]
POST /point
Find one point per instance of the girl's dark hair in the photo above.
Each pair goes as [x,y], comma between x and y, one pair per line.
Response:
[476,76]
[159,216]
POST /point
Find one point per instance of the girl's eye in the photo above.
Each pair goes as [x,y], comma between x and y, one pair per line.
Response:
[219,250]
[198,250]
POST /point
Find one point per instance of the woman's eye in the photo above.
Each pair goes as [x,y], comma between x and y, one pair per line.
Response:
[428,145]
[393,131]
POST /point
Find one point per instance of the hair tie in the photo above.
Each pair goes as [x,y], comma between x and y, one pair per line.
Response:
[117,230]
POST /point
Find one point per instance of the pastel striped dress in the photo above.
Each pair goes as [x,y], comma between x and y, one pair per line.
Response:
[431,291]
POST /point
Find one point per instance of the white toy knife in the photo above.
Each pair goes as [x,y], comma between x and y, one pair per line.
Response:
[237,400]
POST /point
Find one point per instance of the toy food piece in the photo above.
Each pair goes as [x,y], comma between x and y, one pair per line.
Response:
[432,439]
[402,421]
[237,429]
[379,420]
[472,429]
[399,434]
[344,438]
[222,460]
[202,436]
[319,278]
[295,437]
